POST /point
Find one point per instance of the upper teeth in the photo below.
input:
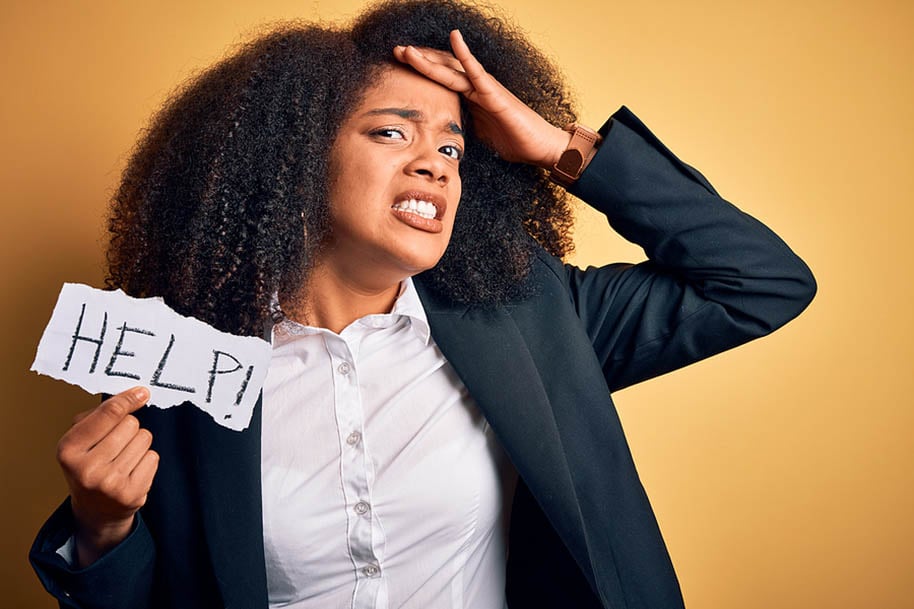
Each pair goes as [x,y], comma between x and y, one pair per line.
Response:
[418,207]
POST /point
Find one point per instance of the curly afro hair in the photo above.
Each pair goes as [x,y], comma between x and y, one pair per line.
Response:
[223,202]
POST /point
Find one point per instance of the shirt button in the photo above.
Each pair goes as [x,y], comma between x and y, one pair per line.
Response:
[361,508]
[344,368]
[353,438]
[371,571]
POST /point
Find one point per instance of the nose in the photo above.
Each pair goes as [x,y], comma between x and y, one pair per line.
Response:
[430,164]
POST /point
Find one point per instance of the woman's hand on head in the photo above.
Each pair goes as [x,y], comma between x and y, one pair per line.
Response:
[106,458]
[500,119]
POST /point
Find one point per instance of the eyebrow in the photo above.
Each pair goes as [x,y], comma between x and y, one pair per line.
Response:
[411,115]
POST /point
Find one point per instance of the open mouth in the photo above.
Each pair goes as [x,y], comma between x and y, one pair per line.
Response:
[422,204]
[419,207]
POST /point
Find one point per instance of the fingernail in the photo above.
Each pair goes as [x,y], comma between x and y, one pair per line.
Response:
[141,393]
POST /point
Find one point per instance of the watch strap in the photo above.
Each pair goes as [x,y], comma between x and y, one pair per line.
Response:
[581,149]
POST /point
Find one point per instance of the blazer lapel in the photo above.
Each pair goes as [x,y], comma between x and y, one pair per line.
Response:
[491,357]
[228,465]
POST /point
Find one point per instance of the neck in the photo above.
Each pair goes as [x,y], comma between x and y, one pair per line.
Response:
[334,301]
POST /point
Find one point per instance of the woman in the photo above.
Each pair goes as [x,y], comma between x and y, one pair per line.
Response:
[378,204]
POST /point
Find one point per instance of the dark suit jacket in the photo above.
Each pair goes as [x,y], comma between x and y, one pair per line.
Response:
[541,369]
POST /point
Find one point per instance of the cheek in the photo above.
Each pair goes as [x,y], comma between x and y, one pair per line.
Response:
[349,188]
[457,193]
[344,205]
[367,177]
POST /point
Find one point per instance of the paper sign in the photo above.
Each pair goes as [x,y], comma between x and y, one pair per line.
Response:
[107,342]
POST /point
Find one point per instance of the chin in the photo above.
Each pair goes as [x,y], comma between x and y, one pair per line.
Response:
[415,267]
[420,259]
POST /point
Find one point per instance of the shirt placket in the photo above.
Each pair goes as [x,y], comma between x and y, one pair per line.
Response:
[356,475]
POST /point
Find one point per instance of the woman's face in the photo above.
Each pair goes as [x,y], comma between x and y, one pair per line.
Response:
[395,184]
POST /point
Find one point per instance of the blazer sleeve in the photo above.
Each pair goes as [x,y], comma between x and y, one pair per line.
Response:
[121,578]
[715,277]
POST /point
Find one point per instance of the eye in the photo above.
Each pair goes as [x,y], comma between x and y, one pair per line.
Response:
[452,151]
[389,133]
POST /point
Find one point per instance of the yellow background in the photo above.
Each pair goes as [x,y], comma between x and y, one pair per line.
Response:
[781,473]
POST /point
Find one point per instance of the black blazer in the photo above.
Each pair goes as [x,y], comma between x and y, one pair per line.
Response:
[541,369]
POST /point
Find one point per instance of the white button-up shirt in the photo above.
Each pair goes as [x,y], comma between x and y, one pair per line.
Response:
[383,485]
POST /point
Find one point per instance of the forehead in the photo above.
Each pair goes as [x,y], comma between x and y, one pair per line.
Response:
[400,87]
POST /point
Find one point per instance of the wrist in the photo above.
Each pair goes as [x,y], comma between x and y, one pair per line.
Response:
[94,541]
[559,142]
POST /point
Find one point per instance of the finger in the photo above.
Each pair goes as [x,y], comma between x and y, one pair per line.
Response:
[142,475]
[127,460]
[445,58]
[474,70]
[455,80]
[82,415]
[430,59]
[136,486]
[89,430]
[109,447]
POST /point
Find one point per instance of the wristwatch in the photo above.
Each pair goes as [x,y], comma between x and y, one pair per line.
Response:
[580,151]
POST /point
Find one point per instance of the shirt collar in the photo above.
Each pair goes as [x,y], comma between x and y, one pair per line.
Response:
[407,305]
